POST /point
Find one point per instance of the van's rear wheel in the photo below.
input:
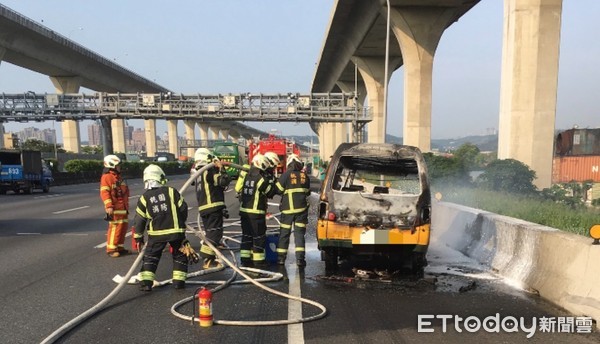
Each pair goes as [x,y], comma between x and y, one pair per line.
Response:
[418,262]
[331,260]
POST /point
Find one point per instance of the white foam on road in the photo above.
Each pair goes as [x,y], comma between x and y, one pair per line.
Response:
[295,331]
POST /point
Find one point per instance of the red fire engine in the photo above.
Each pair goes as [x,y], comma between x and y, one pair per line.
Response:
[280,146]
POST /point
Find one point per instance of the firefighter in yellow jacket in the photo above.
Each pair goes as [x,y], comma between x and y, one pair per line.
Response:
[294,185]
[210,193]
[115,196]
[257,188]
[163,211]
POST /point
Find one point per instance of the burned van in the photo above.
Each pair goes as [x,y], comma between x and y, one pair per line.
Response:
[375,204]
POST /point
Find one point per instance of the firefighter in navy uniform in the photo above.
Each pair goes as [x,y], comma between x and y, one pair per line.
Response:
[294,185]
[256,190]
[163,210]
[210,193]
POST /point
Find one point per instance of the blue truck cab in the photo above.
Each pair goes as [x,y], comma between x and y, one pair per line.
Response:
[24,171]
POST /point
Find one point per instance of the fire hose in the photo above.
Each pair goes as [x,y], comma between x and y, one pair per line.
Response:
[58,333]
[234,266]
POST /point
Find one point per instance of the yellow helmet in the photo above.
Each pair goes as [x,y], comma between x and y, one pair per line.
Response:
[111,161]
[203,156]
[273,159]
[261,162]
[292,158]
[154,172]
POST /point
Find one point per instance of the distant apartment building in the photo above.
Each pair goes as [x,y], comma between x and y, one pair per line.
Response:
[95,134]
[129,133]
[31,133]
[138,141]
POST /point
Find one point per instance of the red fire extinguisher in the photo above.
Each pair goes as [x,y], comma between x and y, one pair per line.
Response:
[205,307]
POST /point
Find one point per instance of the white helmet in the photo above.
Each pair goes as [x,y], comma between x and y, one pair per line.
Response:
[111,161]
[273,159]
[154,172]
[261,162]
[203,156]
[292,158]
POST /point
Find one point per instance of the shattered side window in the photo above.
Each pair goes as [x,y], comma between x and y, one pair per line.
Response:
[377,175]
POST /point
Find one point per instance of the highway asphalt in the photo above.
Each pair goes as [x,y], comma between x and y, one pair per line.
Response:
[54,267]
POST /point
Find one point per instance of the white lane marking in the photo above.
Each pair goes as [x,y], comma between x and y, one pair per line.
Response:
[75,234]
[22,233]
[295,331]
[68,210]
[48,196]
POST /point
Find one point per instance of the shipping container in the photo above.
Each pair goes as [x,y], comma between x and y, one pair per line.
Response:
[578,142]
[566,169]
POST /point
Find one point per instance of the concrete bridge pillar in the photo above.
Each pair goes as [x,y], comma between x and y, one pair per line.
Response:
[203,132]
[224,134]
[173,138]
[320,132]
[235,136]
[214,132]
[150,130]
[70,128]
[327,139]
[118,135]
[530,51]
[190,135]
[330,139]
[418,30]
[372,71]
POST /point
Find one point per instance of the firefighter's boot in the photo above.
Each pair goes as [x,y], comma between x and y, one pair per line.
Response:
[301,262]
[246,262]
[178,284]
[145,285]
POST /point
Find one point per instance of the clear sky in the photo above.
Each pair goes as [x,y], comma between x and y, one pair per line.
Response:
[273,46]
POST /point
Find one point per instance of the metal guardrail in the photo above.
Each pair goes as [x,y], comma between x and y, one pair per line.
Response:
[290,107]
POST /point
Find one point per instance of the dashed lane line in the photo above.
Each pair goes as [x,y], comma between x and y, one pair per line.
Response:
[69,210]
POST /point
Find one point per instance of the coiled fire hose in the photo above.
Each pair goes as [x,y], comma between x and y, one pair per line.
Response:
[234,266]
[61,331]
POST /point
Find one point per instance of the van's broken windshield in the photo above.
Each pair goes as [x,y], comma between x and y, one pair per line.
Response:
[377,175]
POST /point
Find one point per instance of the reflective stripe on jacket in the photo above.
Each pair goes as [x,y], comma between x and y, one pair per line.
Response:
[254,194]
[164,208]
[210,191]
[239,184]
[114,192]
[294,185]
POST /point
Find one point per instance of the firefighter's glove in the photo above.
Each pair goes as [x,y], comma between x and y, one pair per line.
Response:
[139,243]
[186,248]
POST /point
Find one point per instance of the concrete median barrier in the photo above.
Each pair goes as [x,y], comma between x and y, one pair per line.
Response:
[562,267]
